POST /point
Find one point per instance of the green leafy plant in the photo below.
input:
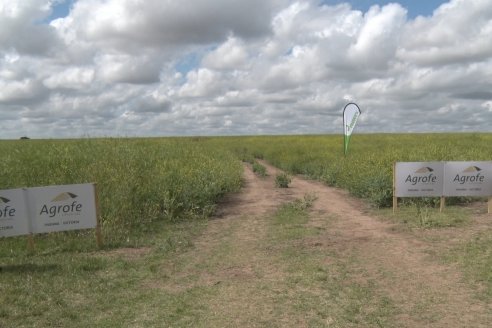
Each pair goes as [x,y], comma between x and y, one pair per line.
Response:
[368,171]
[282,180]
[139,181]
[259,169]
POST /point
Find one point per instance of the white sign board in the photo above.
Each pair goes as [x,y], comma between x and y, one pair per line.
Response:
[468,179]
[14,216]
[419,179]
[61,208]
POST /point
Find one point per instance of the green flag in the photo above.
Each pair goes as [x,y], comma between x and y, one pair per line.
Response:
[351,113]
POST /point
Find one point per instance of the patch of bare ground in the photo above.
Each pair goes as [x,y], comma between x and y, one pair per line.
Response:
[248,285]
[228,249]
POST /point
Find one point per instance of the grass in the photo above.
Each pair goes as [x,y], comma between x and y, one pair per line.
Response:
[475,258]
[282,180]
[427,217]
[60,287]
[154,195]
[139,180]
[366,171]
[163,282]
[272,280]
[259,169]
[326,294]
[473,254]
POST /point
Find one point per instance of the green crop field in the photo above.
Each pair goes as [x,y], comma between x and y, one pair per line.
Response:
[367,170]
[154,196]
[139,180]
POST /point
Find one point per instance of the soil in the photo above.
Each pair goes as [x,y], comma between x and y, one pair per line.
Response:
[428,292]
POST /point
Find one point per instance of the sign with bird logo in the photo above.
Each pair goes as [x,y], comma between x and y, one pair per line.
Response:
[61,208]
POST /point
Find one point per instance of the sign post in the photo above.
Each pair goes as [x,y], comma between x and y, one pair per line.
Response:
[30,243]
[99,239]
[395,199]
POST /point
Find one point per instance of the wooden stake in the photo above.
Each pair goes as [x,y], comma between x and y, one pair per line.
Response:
[99,239]
[395,199]
[490,206]
[30,243]
[443,203]
[30,236]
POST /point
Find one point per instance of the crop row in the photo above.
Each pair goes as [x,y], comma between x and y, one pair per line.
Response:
[139,180]
[367,169]
[146,180]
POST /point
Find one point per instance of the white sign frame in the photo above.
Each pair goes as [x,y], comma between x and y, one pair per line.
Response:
[418,179]
[14,214]
[468,179]
[62,208]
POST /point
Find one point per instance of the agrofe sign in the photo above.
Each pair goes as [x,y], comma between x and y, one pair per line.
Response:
[48,209]
[13,213]
[61,208]
[442,179]
[468,179]
[419,179]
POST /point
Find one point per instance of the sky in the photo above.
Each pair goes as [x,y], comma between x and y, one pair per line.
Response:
[138,68]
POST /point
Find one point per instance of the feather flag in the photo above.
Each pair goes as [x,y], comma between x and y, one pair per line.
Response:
[351,113]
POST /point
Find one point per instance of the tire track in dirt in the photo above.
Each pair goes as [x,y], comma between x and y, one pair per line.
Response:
[229,260]
[406,273]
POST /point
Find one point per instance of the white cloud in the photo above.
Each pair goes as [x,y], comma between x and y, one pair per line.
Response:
[20,91]
[487,105]
[148,67]
[124,68]
[201,83]
[459,32]
[70,78]
[153,23]
[230,55]
[377,39]
[20,27]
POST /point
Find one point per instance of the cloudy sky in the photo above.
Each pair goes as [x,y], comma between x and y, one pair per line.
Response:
[233,67]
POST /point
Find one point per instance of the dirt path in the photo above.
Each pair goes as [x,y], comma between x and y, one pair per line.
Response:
[400,262]
[241,271]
